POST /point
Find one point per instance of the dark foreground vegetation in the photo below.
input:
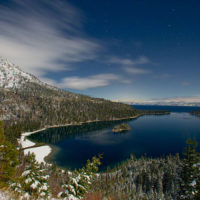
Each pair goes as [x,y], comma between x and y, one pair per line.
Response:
[135,179]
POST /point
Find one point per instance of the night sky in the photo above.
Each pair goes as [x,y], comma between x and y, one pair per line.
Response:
[139,50]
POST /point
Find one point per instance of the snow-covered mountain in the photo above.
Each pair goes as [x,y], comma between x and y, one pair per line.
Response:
[11,76]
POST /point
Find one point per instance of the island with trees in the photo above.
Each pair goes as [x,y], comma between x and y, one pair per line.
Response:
[121,128]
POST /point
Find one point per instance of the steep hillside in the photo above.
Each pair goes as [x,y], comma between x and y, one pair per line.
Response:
[25,99]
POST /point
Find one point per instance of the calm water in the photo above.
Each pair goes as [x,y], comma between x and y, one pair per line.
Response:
[170,108]
[152,135]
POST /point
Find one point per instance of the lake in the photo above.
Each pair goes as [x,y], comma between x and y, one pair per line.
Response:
[150,135]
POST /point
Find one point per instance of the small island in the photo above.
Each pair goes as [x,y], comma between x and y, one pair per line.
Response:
[121,128]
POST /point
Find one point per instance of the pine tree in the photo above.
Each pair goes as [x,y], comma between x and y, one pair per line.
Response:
[189,177]
[34,179]
[2,137]
[8,159]
[80,180]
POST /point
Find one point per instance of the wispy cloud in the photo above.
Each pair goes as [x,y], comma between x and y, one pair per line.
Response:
[125,61]
[163,76]
[131,65]
[181,101]
[134,70]
[83,83]
[185,83]
[44,36]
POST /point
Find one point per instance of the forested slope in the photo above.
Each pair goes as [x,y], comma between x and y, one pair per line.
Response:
[32,104]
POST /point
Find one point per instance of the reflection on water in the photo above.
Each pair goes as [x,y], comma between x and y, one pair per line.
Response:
[54,135]
[152,135]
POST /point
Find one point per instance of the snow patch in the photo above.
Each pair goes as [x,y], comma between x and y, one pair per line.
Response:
[24,141]
[40,152]
[5,195]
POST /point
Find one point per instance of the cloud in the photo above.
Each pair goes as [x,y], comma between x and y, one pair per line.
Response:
[124,61]
[130,65]
[163,76]
[186,83]
[180,101]
[83,83]
[43,36]
[134,70]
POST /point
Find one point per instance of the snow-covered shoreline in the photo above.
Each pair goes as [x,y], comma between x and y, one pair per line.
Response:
[40,152]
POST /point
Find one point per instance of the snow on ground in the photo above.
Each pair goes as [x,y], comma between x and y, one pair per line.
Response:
[40,152]
[4,195]
[24,141]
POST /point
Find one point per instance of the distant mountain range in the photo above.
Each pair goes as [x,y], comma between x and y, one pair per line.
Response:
[24,98]
[176,101]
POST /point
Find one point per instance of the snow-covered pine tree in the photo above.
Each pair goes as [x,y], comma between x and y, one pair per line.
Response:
[189,177]
[34,180]
[80,180]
